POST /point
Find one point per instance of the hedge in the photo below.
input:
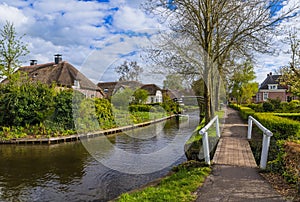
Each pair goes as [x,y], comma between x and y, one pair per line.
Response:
[293,116]
[245,112]
[282,128]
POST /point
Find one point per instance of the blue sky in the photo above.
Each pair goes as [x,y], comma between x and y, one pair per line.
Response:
[95,36]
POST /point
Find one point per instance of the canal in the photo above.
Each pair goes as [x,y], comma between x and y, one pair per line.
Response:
[97,169]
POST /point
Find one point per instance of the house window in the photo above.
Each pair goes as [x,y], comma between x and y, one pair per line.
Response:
[76,84]
[272,87]
[265,96]
[105,90]
[152,99]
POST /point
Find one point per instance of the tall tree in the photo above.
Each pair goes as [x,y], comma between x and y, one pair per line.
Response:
[205,33]
[291,73]
[11,50]
[129,71]
[173,82]
[241,86]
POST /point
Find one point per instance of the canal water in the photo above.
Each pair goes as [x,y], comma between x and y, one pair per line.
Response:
[97,169]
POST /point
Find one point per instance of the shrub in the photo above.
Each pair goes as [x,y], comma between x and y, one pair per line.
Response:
[268,107]
[25,103]
[275,102]
[139,108]
[293,116]
[282,128]
[63,114]
[245,112]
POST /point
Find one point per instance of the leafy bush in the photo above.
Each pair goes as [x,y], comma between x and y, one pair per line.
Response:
[268,107]
[63,114]
[25,103]
[282,128]
[139,108]
[104,113]
[293,116]
[245,112]
[275,102]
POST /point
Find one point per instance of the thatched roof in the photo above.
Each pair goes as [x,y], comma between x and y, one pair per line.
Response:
[62,74]
[151,88]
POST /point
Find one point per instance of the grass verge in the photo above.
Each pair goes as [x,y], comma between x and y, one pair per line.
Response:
[179,186]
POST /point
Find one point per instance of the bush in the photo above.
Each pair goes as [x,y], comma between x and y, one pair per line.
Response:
[268,107]
[293,116]
[63,114]
[275,102]
[25,103]
[245,112]
[139,108]
[282,128]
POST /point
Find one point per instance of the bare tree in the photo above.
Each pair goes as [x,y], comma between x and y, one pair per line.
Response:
[129,71]
[291,73]
[206,33]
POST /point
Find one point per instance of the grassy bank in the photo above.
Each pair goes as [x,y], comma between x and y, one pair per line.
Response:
[179,186]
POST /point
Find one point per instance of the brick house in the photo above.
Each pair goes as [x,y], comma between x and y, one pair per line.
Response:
[63,75]
[271,88]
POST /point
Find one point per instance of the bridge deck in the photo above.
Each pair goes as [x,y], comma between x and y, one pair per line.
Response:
[235,175]
[233,148]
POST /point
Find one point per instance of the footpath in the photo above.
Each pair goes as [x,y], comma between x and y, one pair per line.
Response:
[235,174]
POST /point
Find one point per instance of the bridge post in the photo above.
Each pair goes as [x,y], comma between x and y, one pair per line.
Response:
[265,150]
[218,128]
[249,128]
[206,148]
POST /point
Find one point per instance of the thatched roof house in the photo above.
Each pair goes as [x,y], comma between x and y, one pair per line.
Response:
[62,74]
[154,93]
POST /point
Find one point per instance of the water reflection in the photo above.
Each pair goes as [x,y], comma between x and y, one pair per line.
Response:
[67,172]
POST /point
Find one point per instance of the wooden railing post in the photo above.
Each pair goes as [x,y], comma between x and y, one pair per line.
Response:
[266,140]
[206,148]
[205,141]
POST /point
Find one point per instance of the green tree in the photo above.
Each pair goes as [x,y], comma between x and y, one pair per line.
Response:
[25,103]
[63,114]
[241,86]
[122,98]
[140,96]
[11,49]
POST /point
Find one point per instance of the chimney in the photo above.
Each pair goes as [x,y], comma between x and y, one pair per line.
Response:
[33,62]
[270,73]
[57,58]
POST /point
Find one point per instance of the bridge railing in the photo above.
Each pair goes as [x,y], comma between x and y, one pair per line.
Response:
[204,134]
[267,134]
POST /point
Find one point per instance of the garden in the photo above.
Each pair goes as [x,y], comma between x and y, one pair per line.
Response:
[35,110]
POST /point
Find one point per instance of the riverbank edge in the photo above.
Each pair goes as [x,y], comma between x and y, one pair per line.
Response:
[173,171]
[73,138]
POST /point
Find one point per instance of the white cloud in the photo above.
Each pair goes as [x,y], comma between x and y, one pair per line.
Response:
[12,14]
[128,18]
[267,63]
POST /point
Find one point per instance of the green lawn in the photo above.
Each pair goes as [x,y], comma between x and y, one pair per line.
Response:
[180,186]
